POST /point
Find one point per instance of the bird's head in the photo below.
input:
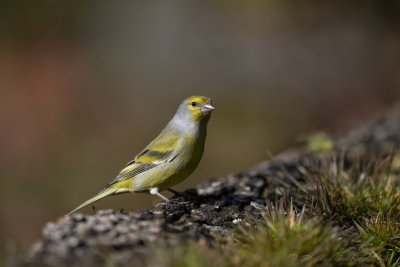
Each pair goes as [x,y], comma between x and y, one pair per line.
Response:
[197,108]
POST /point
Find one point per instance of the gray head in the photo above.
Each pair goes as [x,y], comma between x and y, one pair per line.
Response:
[196,109]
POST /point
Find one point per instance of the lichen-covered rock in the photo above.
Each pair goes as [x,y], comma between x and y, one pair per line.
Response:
[196,215]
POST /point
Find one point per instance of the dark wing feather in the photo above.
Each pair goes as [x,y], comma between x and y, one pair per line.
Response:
[152,156]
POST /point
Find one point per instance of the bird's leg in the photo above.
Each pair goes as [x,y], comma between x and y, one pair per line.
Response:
[166,199]
[154,191]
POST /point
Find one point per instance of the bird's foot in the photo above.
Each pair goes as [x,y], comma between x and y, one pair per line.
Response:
[154,191]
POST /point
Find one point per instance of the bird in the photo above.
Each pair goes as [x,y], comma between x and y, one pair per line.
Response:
[169,159]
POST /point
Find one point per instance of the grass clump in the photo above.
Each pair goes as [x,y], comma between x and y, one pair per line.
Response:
[288,238]
[285,237]
[348,216]
[378,240]
[358,192]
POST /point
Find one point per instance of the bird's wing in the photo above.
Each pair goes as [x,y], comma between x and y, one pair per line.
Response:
[162,150]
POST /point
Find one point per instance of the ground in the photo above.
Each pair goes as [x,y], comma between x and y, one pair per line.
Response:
[325,194]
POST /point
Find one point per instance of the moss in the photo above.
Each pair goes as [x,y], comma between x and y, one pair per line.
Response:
[350,217]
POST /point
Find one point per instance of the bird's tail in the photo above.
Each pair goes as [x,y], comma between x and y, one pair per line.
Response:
[104,193]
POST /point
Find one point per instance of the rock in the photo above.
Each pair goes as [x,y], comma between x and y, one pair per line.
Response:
[196,215]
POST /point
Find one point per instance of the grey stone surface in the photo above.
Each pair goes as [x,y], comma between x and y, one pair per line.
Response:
[196,215]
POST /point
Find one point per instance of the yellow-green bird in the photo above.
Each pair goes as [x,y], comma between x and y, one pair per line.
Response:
[168,159]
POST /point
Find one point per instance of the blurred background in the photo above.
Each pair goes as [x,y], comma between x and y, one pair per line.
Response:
[85,85]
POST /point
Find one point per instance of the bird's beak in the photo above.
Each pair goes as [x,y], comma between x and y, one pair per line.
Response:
[207,108]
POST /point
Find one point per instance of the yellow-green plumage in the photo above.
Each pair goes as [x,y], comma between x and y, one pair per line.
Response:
[170,158]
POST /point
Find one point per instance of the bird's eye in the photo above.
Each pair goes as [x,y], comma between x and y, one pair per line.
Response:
[194,104]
